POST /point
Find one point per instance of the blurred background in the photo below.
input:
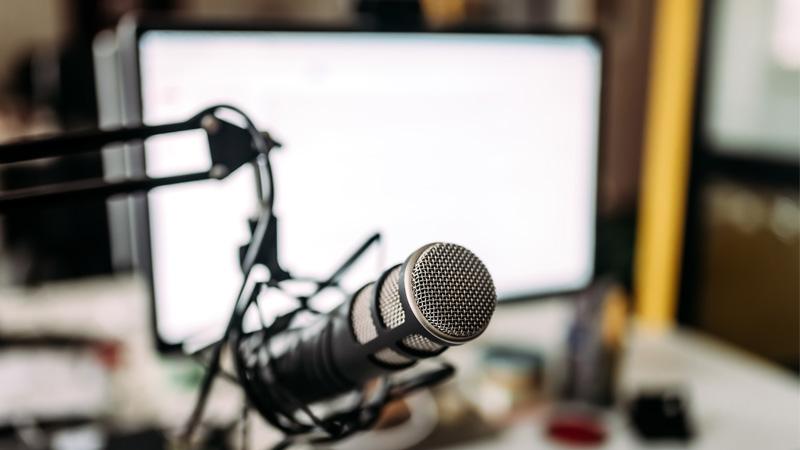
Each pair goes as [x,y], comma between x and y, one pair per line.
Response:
[696,258]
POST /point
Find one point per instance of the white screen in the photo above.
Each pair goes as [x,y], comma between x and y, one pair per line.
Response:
[488,141]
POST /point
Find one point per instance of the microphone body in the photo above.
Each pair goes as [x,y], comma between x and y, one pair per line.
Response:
[441,296]
[325,360]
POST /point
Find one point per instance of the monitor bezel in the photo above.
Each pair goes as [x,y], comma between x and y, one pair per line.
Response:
[132,28]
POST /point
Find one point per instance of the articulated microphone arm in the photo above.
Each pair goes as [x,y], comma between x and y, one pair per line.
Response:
[230,147]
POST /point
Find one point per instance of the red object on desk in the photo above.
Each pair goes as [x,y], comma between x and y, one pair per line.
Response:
[576,430]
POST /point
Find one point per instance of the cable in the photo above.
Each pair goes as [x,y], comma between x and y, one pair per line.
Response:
[245,424]
[213,368]
[239,308]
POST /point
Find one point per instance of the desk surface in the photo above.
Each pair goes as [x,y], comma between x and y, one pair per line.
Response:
[736,401]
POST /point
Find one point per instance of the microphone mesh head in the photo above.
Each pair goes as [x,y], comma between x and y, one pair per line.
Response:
[421,343]
[361,317]
[365,330]
[393,315]
[453,290]
[389,304]
[446,284]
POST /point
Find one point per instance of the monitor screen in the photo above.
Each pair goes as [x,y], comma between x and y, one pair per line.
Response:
[485,140]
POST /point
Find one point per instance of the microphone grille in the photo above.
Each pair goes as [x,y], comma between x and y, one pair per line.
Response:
[365,330]
[453,290]
[389,305]
[393,315]
[361,316]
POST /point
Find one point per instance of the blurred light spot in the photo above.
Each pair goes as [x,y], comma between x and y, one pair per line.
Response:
[745,211]
[786,34]
[785,220]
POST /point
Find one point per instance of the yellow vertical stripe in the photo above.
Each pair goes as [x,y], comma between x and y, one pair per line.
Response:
[665,168]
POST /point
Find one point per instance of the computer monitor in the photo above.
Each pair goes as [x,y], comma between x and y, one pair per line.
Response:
[486,140]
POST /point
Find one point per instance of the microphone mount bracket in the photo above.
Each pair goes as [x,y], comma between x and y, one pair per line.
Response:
[230,147]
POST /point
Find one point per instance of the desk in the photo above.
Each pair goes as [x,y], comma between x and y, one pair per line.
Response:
[736,401]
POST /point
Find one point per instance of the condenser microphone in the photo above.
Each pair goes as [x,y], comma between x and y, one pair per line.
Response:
[441,296]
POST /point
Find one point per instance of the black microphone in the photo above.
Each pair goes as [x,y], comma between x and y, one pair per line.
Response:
[441,296]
